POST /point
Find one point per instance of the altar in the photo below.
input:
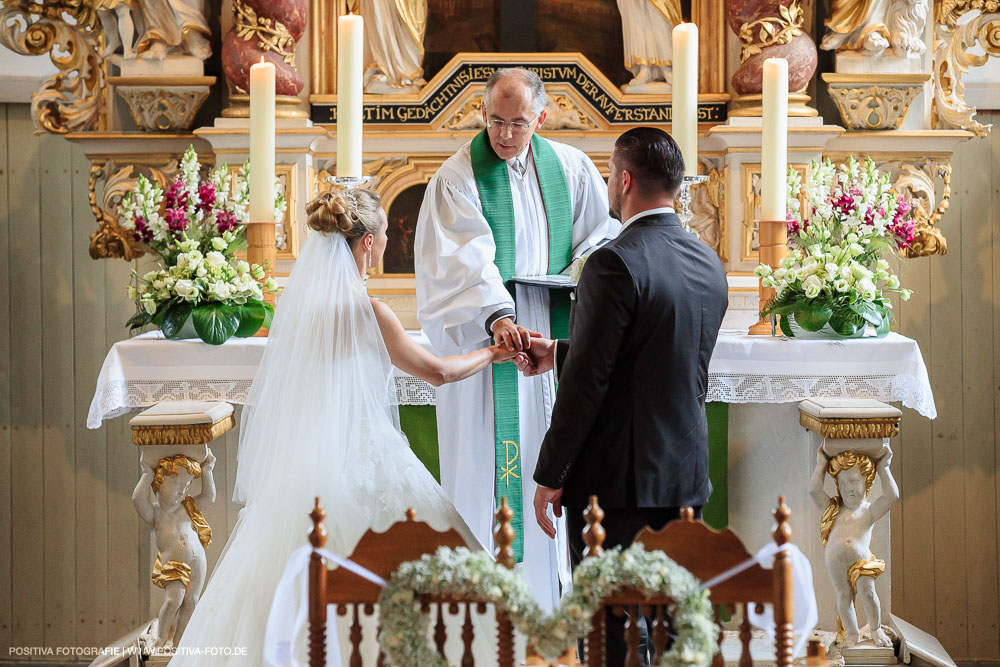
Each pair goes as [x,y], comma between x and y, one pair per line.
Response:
[756,446]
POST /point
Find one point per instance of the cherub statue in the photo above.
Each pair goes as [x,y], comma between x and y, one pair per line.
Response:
[846,528]
[181,535]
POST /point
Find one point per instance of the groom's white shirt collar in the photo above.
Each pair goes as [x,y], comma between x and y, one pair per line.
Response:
[647,212]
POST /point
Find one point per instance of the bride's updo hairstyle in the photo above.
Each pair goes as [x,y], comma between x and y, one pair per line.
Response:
[353,213]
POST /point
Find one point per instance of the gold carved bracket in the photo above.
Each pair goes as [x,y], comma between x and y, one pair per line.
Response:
[75,98]
[952,59]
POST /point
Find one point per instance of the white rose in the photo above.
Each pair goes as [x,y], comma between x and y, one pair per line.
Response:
[852,238]
[882,265]
[132,292]
[219,243]
[242,267]
[270,284]
[149,305]
[187,246]
[151,276]
[905,294]
[892,282]
[867,288]
[762,270]
[215,259]
[855,249]
[787,262]
[185,289]
[220,290]
[812,287]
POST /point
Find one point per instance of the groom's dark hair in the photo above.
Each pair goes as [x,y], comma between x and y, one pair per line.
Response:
[653,158]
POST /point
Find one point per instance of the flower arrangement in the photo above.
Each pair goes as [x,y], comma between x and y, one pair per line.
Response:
[834,277]
[462,573]
[196,227]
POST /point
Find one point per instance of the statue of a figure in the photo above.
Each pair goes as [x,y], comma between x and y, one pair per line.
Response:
[646,31]
[846,529]
[181,534]
[872,26]
[394,45]
[165,27]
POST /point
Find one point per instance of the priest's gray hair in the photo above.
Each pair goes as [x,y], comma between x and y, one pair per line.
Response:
[529,78]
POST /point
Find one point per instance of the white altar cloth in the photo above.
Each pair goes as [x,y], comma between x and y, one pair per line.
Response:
[141,371]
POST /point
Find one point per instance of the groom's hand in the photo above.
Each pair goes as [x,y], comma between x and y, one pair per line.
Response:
[510,335]
[540,357]
[544,496]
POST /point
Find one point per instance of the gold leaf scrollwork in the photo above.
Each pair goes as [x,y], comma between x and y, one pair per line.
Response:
[74,98]
[271,35]
[952,58]
[110,239]
[918,183]
[377,170]
[771,30]
[708,210]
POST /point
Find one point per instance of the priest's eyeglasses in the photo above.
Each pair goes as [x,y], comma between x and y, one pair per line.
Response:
[516,127]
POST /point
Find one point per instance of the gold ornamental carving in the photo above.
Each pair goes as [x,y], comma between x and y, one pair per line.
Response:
[854,427]
[875,107]
[918,183]
[952,58]
[181,434]
[75,98]
[708,209]
[377,170]
[162,108]
[771,30]
[270,35]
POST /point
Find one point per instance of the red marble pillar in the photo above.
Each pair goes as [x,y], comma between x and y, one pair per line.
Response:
[770,29]
[267,29]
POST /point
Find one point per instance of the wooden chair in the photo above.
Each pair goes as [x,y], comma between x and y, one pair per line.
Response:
[706,553]
[382,553]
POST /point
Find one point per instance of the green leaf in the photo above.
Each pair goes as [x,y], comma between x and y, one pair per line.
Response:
[174,319]
[138,320]
[843,327]
[269,314]
[251,318]
[813,316]
[883,329]
[869,313]
[786,326]
[215,323]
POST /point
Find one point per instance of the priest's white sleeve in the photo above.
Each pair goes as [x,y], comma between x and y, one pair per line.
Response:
[592,224]
[458,285]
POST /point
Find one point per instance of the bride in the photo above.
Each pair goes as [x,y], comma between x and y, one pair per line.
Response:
[321,420]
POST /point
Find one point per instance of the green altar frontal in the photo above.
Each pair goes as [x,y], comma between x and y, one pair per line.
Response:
[419,423]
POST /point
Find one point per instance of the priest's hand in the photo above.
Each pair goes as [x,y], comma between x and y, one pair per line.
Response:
[544,496]
[500,354]
[511,335]
[540,358]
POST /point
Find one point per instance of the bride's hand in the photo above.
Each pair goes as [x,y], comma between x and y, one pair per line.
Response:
[501,354]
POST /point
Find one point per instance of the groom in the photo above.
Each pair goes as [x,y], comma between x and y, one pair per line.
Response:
[629,418]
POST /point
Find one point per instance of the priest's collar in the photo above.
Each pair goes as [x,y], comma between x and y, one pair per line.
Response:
[646,213]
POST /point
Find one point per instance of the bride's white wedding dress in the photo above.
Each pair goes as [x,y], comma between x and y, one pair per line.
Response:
[320,420]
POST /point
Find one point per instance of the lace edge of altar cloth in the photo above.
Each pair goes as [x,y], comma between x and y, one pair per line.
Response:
[120,397]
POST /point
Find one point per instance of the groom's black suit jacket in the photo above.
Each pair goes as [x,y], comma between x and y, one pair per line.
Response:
[629,419]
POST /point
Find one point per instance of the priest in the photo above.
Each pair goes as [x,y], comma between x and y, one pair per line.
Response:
[509,203]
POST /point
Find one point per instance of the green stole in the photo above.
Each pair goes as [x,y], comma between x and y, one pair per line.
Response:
[493,183]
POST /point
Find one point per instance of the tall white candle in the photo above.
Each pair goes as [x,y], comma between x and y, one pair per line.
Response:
[262,142]
[350,71]
[774,140]
[684,125]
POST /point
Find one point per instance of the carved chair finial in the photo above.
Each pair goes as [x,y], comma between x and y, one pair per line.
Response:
[782,531]
[317,536]
[593,534]
[504,534]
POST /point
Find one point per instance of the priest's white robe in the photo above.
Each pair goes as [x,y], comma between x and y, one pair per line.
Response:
[458,289]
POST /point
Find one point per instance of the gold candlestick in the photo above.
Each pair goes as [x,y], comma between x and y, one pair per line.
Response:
[773,247]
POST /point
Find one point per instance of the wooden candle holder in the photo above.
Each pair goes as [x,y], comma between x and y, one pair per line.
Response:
[261,250]
[773,235]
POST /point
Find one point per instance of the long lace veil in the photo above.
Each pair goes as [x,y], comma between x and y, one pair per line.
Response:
[323,389]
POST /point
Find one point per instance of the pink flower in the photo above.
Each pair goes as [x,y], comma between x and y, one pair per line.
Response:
[143,233]
[176,219]
[176,196]
[206,196]
[793,228]
[225,221]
